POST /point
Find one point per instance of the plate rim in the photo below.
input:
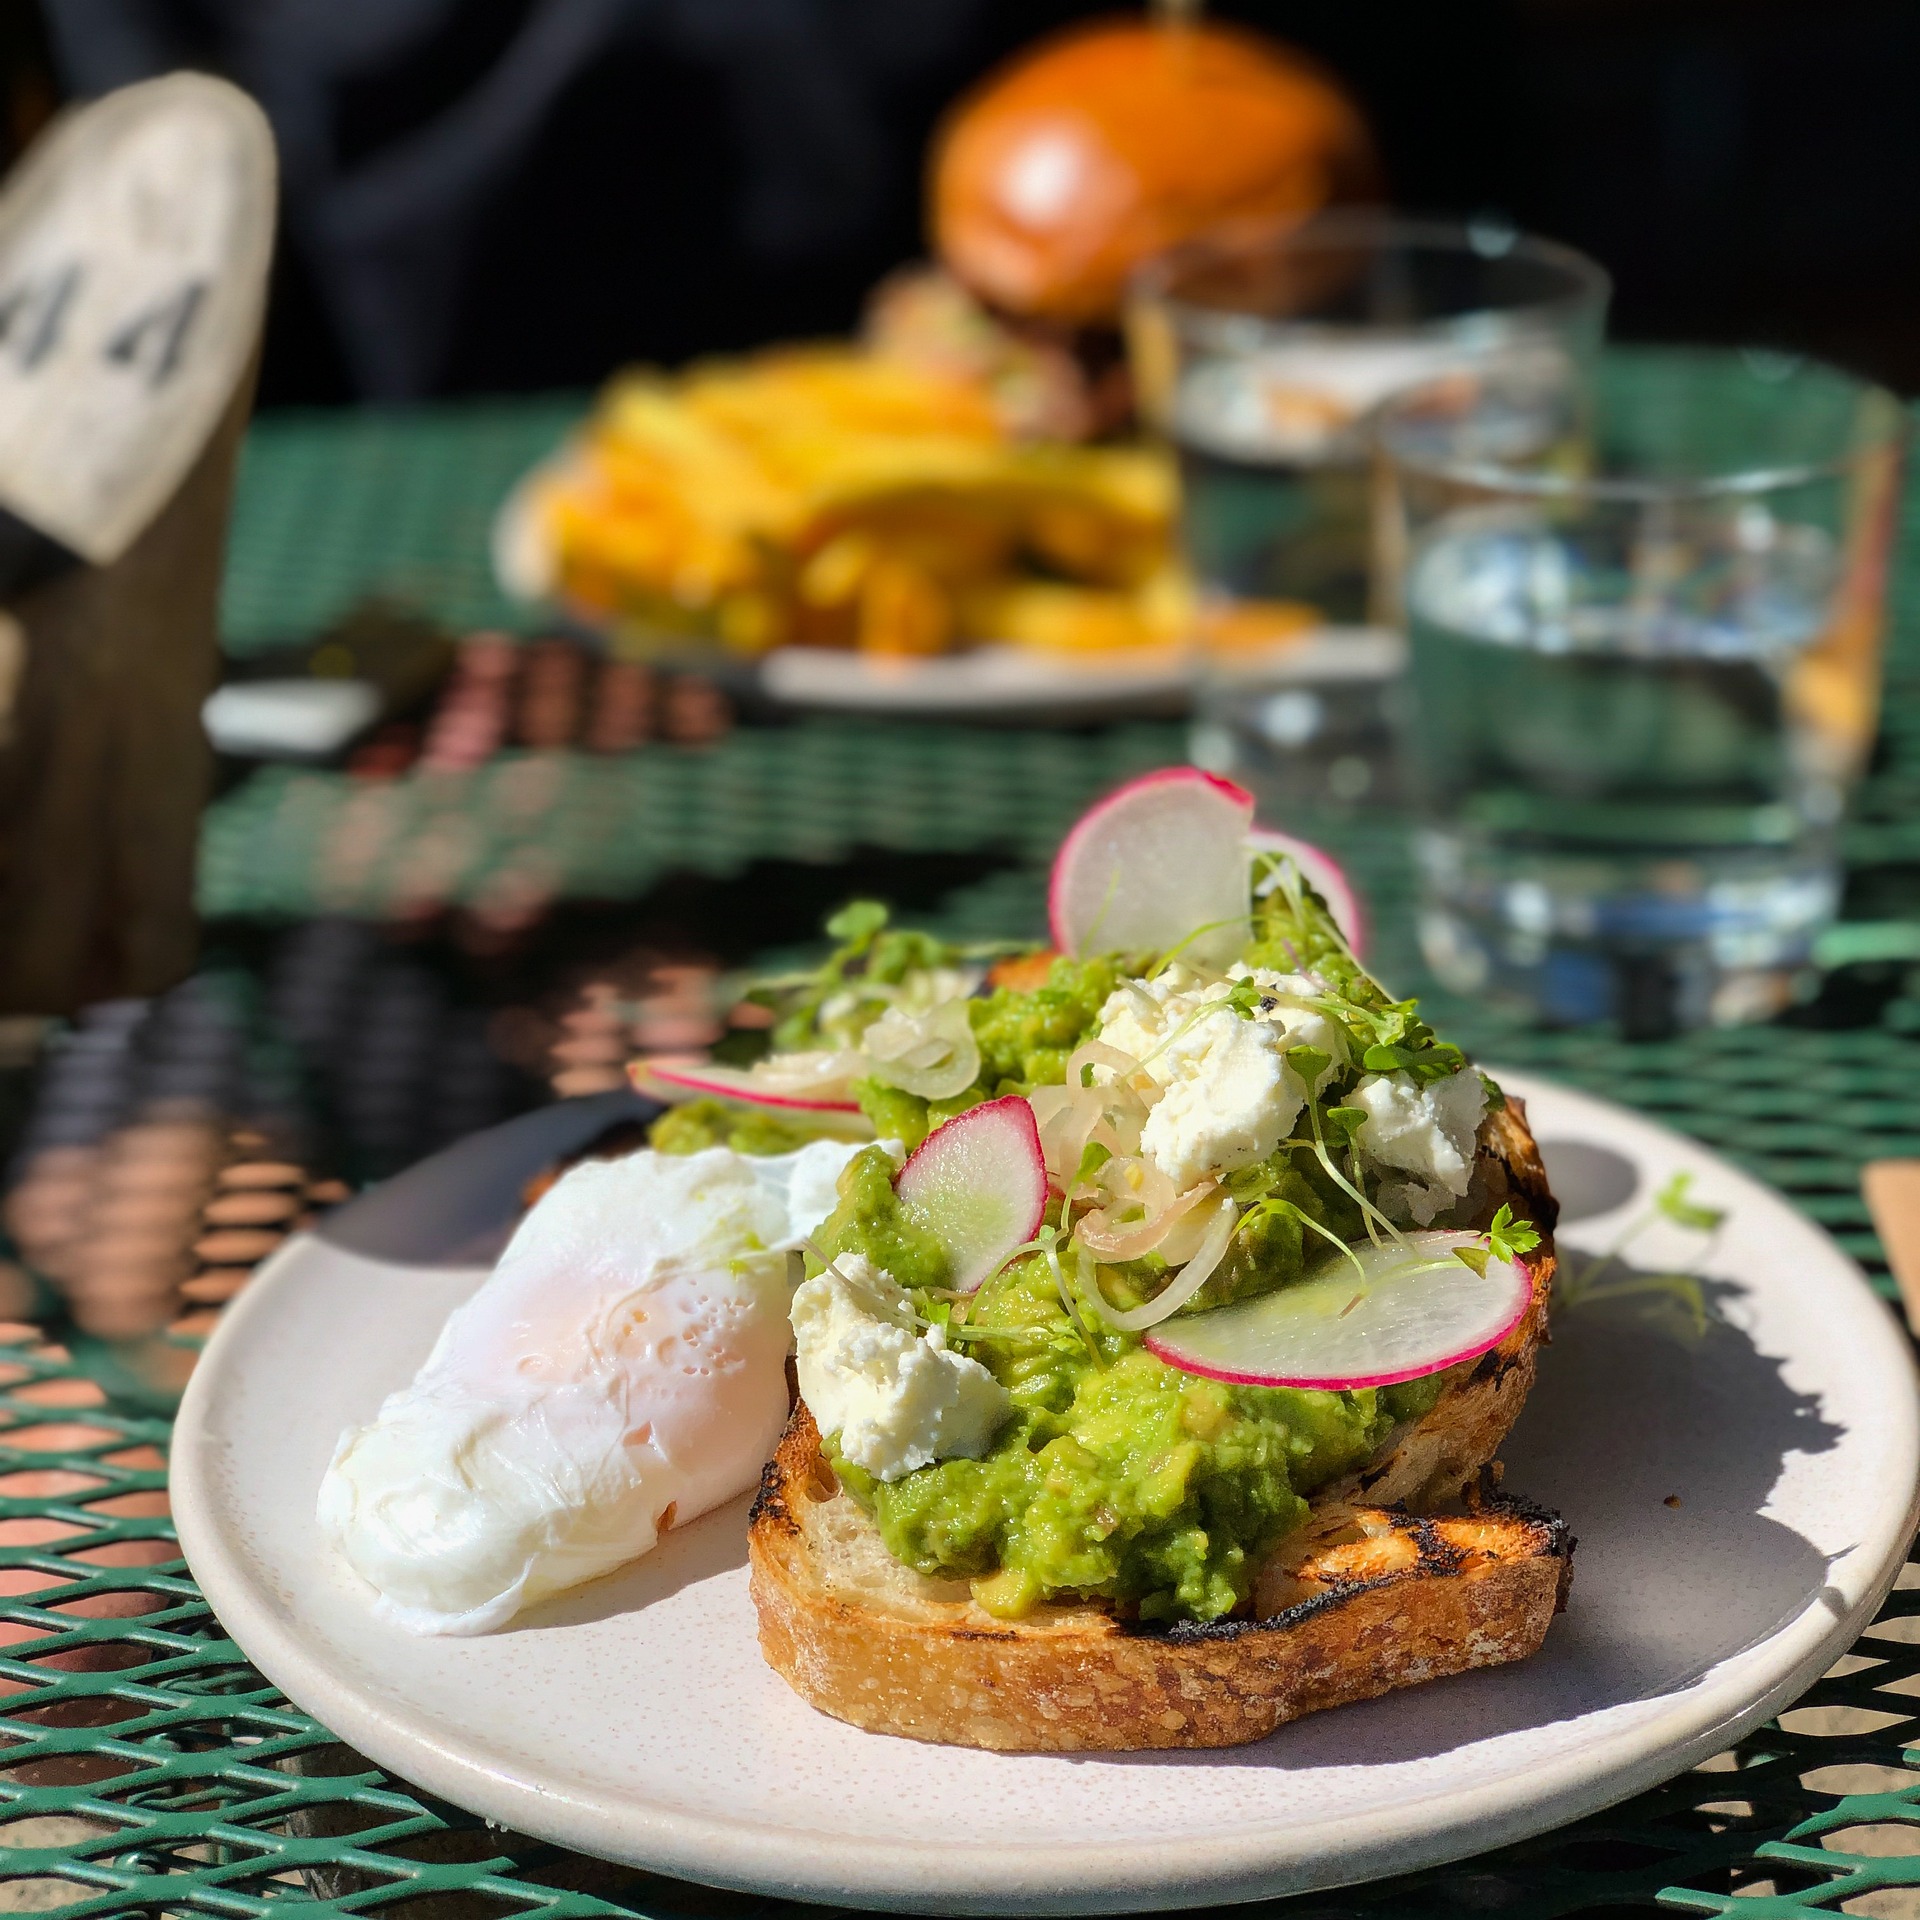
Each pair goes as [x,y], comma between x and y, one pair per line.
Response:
[1057,1877]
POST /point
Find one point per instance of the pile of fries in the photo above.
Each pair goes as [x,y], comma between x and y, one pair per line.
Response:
[829,497]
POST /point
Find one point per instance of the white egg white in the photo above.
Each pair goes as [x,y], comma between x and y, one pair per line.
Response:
[622,1369]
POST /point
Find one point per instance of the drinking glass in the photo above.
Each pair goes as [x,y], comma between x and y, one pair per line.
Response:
[1262,355]
[1644,670]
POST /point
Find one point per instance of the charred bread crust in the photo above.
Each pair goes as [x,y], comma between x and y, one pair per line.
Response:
[1386,1600]
[1373,1595]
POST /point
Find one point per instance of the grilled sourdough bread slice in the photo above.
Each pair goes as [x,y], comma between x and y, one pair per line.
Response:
[1366,1598]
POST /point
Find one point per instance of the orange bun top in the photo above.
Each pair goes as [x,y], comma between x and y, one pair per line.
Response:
[1058,175]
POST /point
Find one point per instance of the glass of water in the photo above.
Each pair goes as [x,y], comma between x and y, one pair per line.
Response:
[1644,670]
[1262,355]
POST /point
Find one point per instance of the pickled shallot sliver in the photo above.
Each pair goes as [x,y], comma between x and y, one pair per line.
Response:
[1386,1314]
[1184,1284]
[1073,1117]
[1097,1053]
[1109,1238]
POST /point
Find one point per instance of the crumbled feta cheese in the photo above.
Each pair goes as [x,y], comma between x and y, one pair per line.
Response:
[1427,1130]
[897,1398]
[1139,1014]
[1226,1096]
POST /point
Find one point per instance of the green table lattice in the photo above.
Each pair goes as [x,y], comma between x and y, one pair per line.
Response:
[150,1770]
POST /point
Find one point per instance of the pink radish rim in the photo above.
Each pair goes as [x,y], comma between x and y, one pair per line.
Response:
[1005,1106]
[1160,777]
[691,1080]
[1345,1383]
[1323,868]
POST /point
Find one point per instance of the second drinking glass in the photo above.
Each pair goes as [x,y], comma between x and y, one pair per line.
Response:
[1644,672]
[1263,355]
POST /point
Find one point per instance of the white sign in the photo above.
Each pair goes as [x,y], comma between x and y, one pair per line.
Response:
[134,245]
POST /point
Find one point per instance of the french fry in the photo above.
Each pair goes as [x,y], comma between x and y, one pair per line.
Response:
[827,496]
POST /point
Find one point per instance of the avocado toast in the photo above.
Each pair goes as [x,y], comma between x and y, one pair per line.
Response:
[1154,1361]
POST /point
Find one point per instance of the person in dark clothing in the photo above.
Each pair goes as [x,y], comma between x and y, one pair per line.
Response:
[513,194]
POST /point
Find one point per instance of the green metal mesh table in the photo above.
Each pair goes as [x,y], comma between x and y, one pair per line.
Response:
[148,1769]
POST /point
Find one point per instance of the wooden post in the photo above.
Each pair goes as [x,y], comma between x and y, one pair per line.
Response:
[134,243]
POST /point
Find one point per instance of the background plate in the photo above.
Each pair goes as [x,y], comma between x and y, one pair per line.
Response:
[636,1720]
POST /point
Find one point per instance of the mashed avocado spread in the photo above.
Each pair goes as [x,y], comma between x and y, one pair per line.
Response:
[1117,1476]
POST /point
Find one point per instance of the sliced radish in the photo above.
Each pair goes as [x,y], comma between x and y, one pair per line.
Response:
[793,1083]
[1328,877]
[1154,864]
[979,1185]
[1405,1312]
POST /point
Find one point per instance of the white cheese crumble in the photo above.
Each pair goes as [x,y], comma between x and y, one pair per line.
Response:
[1226,1096]
[1427,1130]
[897,1398]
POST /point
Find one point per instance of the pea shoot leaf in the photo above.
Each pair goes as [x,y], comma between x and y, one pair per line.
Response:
[1671,1203]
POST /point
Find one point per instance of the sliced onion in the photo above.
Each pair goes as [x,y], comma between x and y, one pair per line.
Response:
[1071,1118]
[933,1054]
[1096,1053]
[1126,1184]
[1104,1231]
[1065,1117]
[1184,1284]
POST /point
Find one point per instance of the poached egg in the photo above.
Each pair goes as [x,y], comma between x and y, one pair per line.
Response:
[622,1370]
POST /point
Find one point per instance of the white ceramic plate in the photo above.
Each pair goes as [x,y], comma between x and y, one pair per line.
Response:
[983,681]
[635,1719]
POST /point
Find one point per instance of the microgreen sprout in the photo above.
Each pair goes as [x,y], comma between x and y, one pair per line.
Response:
[1507,1239]
[1674,1291]
[856,923]
[1092,1159]
[1437,1062]
[1671,1203]
[1266,1208]
[1200,932]
[826,1261]
[1067,1300]
[1310,1063]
